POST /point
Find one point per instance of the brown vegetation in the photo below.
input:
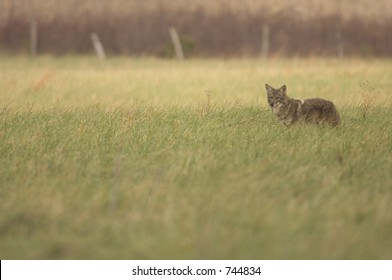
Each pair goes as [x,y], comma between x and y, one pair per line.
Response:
[207,28]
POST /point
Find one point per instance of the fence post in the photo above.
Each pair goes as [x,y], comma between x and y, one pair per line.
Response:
[33,37]
[176,43]
[339,43]
[98,47]
[265,41]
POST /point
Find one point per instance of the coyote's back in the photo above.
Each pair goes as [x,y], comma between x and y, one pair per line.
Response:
[290,111]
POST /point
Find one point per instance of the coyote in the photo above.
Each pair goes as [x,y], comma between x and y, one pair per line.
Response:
[291,111]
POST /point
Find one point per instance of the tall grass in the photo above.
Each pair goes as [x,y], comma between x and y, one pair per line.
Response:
[212,178]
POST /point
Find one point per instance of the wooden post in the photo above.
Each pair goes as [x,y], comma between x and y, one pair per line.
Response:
[98,47]
[339,43]
[176,43]
[33,38]
[265,41]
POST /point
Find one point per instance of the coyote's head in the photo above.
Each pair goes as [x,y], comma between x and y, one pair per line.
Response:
[276,97]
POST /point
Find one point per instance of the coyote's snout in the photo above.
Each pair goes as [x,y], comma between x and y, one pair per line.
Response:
[291,111]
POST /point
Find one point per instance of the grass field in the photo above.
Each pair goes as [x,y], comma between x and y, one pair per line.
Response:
[157,159]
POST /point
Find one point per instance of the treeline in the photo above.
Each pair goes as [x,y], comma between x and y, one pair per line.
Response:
[227,31]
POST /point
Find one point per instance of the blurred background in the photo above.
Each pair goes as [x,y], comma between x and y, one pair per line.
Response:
[220,28]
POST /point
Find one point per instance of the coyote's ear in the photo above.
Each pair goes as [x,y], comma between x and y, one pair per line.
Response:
[283,89]
[268,88]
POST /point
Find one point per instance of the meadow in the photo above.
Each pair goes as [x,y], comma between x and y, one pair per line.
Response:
[142,158]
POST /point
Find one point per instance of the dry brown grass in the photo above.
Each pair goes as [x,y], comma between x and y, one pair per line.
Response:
[51,9]
[298,28]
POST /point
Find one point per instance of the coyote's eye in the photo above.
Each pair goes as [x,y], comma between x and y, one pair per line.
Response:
[270,100]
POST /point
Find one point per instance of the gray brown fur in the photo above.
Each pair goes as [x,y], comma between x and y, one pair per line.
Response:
[291,111]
